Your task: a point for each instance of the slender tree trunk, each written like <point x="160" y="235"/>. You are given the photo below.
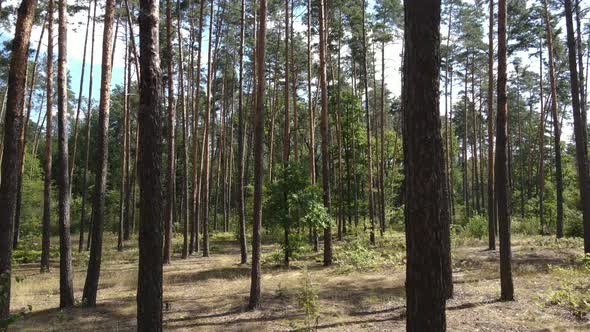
<point x="426" y="214"/>
<point x="581" y="73"/>
<point x="541" y="170"/>
<point x="491" y="194"/>
<point x="241" y="137"/>
<point x="171" y="174"/>
<point x="87" y="148"/>
<point x="66" y="286"/>
<point x="149" y="289"/>
<point x="555" y="117"/>
<point x="310" y="100"/>
<point x="465" y="161"/>
<point x="46" y="228"/>
<point x="14" y="110"/>
<point x="205" y="146"/>
<point x="502" y="183"/>
<point x="196" y="195"/>
<point x="23" y="143"/>
<point x="75" y="130"/>
<point x="184" y="213"/>
<point x="368" y="123"/>
<point x="123" y="153"/>
<point x="324" y="131"/>
<point x="255" y="286"/>
<point x="579" y="132"/>
<point x="102" y="152"/>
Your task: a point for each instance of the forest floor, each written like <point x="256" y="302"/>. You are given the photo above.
<point x="364" y="290"/>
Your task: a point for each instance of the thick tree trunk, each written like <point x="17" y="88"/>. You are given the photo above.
<point x="502" y="183"/>
<point x="102" y="152"/>
<point x="426" y="213"/>
<point x="149" y="289"/>
<point x="255" y="286"/>
<point x="579" y="126"/>
<point x="12" y="125"/>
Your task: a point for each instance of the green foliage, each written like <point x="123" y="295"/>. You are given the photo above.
<point x="477" y="227"/>
<point x="574" y="291"/>
<point x="355" y="255"/>
<point x="308" y="301"/>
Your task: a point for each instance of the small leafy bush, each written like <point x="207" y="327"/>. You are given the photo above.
<point x="477" y="227"/>
<point x="308" y="301"/>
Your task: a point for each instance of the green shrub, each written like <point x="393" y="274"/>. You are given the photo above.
<point x="573" y="226"/>
<point x="308" y="301"/>
<point x="477" y="227"/>
<point x="525" y="226"/>
<point x="355" y="255"/>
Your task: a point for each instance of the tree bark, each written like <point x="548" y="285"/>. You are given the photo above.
<point x="324" y="131"/>
<point x="102" y="152"/>
<point x="502" y="183"/>
<point x="579" y="126"/>
<point x="491" y="194"/>
<point x="66" y="287"/>
<point x="171" y="174"/>
<point x="255" y="286"/>
<point x="87" y="148"/>
<point x="46" y="228"/>
<point x="556" y="128"/>
<point x="426" y="213"/>
<point x="149" y="289"/>
<point x="241" y="136"/>
<point x="12" y="125"/>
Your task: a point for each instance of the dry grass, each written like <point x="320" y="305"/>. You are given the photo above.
<point x="210" y="293"/>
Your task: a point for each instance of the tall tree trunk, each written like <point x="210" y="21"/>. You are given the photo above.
<point x="66" y="287"/>
<point x="102" y="153"/>
<point x="205" y="147"/>
<point x="556" y="128"/>
<point x="254" y="301"/>
<point x="382" y="177"/>
<point x="79" y="102"/>
<point x="23" y="143"/>
<point x="46" y="228"/>
<point x="171" y="170"/>
<point x="491" y="194"/>
<point x="87" y="148"/>
<point x="14" y="110"/>
<point x="184" y="213"/>
<point x="465" y="161"/>
<point x="579" y="125"/>
<point x="541" y="170"/>
<point x="324" y="130"/>
<point x="368" y="123"/>
<point x="241" y="136"/>
<point x="196" y="195"/>
<point x="426" y="214"/>
<point x="149" y="289"/>
<point x="502" y="183"/>
<point x="123" y="151"/>
<point x="581" y="72"/>
<point x="310" y="100"/>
